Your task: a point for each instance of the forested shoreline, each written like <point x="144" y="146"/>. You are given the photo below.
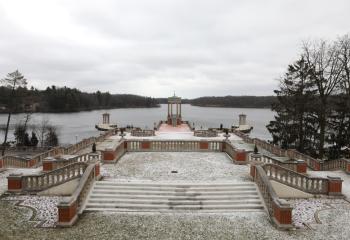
<point x="63" y="99"/>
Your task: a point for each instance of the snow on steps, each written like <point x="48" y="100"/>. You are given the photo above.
<point x="112" y="196"/>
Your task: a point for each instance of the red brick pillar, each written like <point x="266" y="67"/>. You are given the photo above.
<point x="47" y="165"/>
<point x="252" y="171"/>
<point x="203" y="145"/>
<point x="145" y="145"/>
<point x="67" y="213"/>
<point x="317" y="165"/>
<point x="334" y="185"/>
<point x="109" y="155"/>
<point x="14" y="183"/>
<point x="347" y="168"/>
<point x="97" y="171"/>
<point x="282" y="213"/>
<point x="1" y="163"/>
<point x="301" y="166"/>
<point x="223" y="148"/>
<point x="241" y="156"/>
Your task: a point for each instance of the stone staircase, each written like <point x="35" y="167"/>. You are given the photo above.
<point x="112" y="196"/>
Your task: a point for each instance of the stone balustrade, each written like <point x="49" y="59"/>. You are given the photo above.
<point x="329" y="186"/>
<point x="142" y="133"/>
<point x="173" y="145"/>
<point x="36" y="160"/>
<point x="279" y="210"/>
<point x="205" y="133"/>
<point x="299" y="166"/>
<point x="52" y="163"/>
<point x="238" y="156"/>
<point x="71" y="207"/>
<point x="40" y="182"/>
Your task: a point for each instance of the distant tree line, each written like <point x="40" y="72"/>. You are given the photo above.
<point x="235" y="101"/>
<point x="313" y="101"/>
<point x="64" y="99"/>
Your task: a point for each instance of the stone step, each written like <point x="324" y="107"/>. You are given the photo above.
<point x="177" y="189"/>
<point x="175" y="193"/>
<point x="199" y="197"/>
<point x="105" y="202"/>
<point x="152" y="184"/>
<point x="152" y="196"/>
<point x="214" y="211"/>
<point x="175" y="207"/>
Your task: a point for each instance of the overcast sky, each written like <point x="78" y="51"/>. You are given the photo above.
<point x="152" y="48"/>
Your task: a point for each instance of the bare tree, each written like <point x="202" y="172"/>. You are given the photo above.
<point x="323" y="57"/>
<point x="42" y="130"/>
<point x="12" y="81"/>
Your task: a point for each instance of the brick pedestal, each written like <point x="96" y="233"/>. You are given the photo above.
<point x="67" y="214"/>
<point x="97" y="171"/>
<point x="109" y="155"/>
<point x="334" y="185"/>
<point x="14" y="182"/>
<point x="301" y="166"/>
<point x="145" y="145"/>
<point x="252" y="171"/>
<point x="203" y="145"/>
<point x="1" y="163"/>
<point x="47" y="165"/>
<point x="282" y="214"/>
<point x="241" y="156"/>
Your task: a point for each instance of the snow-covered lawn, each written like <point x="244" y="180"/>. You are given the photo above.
<point x="304" y="209"/>
<point x="45" y="214"/>
<point x="190" y="166"/>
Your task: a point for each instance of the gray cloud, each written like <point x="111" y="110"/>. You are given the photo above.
<point x="154" y="47"/>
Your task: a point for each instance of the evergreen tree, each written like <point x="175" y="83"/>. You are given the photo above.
<point x="34" y="140"/>
<point x="51" y="139"/>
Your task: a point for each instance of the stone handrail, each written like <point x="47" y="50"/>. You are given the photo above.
<point x="172" y="145"/>
<point x="313" y="163"/>
<point x="313" y="185"/>
<point x="36" y="183"/>
<point x="37" y="159"/>
<point x="50" y="164"/>
<point x="69" y="208"/>
<point x="279" y="211"/>
<point x="297" y="166"/>
<point x="238" y="156"/>
<point x="142" y="133"/>
<point x="12" y="161"/>
<point x="336" y="164"/>
<point x="205" y="133"/>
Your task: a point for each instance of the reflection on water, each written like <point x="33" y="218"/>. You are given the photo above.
<point x="75" y="126"/>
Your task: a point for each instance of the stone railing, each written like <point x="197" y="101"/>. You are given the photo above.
<point x="113" y="155"/>
<point x="295" y="165"/>
<point x="279" y="210"/>
<point x="238" y="156"/>
<point x="71" y="207"/>
<point x="36" y="160"/>
<point x="205" y="133"/>
<point x="40" y="182"/>
<point x="50" y="164"/>
<point x="313" y="163"/>
<point x="15" y="162"/>
<point x="173" y="146"/>
<point x="336" y="164"/>
<point x="329" y="186"/>
<point x="142" y="133"/>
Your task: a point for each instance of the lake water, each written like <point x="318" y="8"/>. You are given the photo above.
<point x="75" y="126"/>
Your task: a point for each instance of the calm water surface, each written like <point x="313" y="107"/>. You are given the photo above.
<point x="75" y="126"/>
